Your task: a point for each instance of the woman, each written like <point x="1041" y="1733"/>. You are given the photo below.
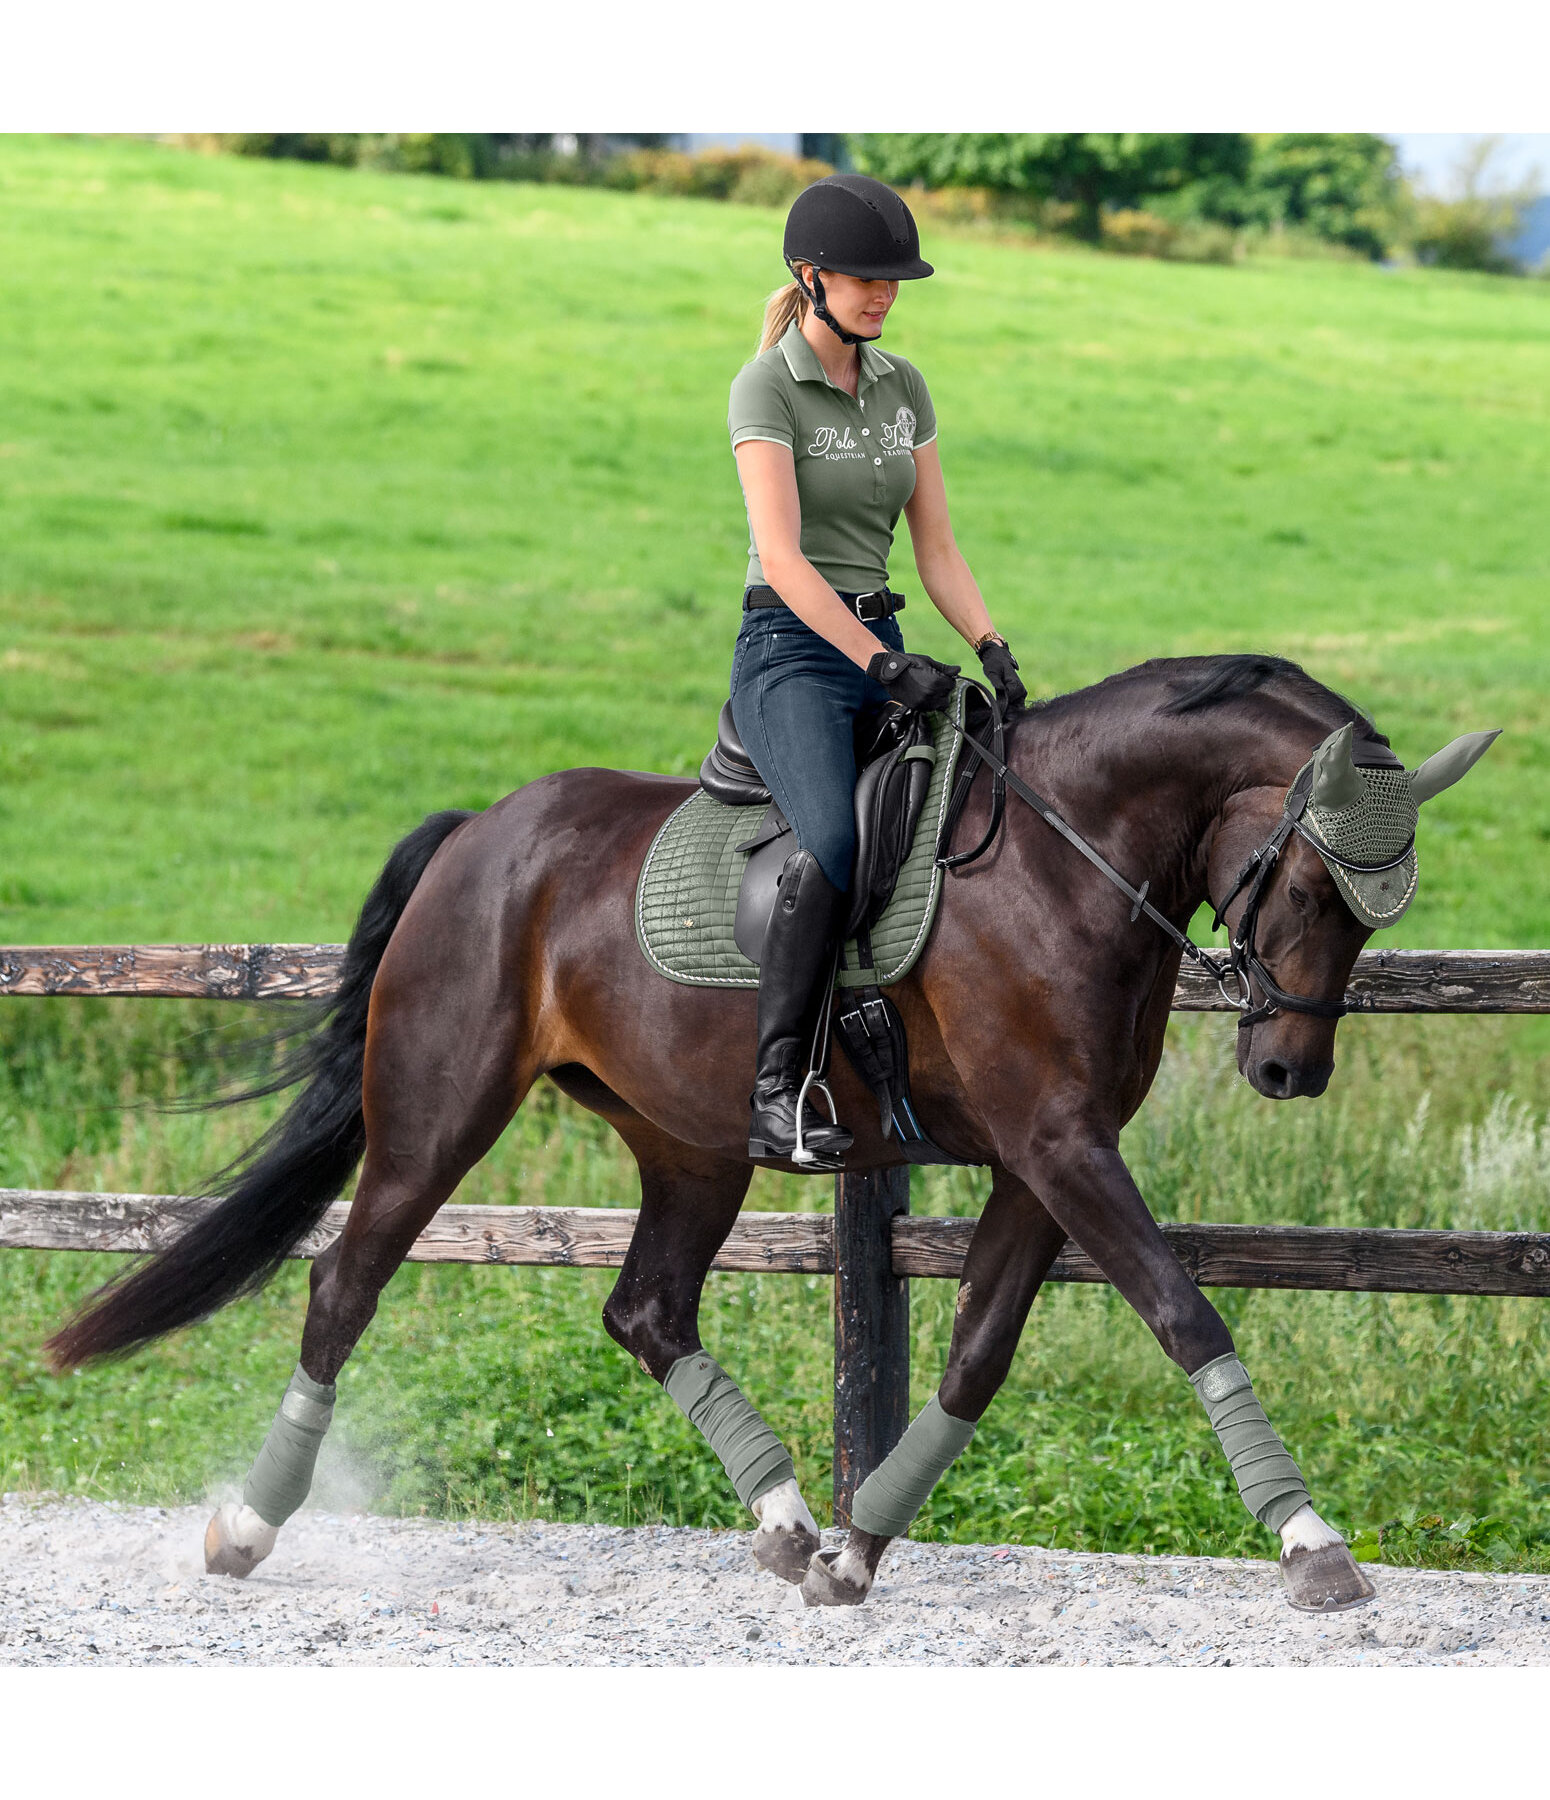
<point x="833" y="440"/>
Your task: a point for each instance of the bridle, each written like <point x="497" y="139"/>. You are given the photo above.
<point x="1256" y="875"/>
<point x="1243" y="963"/>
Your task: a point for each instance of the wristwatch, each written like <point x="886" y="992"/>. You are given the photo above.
<point x="988" y="637"/>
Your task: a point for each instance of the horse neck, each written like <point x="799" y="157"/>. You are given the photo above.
<point x="1150" y="788"/>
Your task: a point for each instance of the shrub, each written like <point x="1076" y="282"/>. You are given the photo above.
<point x="1135" y="232"/>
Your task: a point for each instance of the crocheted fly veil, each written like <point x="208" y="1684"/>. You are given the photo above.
<point x="1357" y="805"/>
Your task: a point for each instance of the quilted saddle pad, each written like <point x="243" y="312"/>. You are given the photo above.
<point x="686" y="898"/>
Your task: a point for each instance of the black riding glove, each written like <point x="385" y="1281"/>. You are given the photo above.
<point x="1000" y="668"/>
<point x="918" y="683"/>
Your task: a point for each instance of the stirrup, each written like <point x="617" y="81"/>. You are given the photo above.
<point x="801" y="1155"/>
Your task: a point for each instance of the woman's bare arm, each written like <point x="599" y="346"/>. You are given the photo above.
<point x="769" y="479"/>
<point x="943" y="572"/>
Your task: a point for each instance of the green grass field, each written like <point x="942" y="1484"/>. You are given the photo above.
<point x="328" y="498"/>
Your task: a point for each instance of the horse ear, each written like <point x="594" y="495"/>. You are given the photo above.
<point x="1335" y="780"/>
<point x="1450" y="764"/>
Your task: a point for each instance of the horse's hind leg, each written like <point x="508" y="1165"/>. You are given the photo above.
<point x="689" y="1201"/>
<point x="433" y="1108"/>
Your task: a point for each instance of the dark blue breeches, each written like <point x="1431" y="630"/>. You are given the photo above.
<point x="795" y="701"/>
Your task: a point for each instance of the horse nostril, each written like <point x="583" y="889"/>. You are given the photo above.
<point x="1275" y="1079"/>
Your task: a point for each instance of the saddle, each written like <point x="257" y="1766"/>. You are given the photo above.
<point x="894" y="758"/>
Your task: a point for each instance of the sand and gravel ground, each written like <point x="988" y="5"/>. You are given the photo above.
<point x="93" y="1583"/>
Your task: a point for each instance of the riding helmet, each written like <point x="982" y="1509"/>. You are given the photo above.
<point x="854" y="226"/>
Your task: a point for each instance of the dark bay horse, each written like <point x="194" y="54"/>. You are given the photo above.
<point x="499" y="947"/>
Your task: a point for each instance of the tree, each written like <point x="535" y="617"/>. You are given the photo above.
<point x="1088" y="169"/>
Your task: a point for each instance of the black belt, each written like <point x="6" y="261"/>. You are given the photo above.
<point x="883" y="603"/>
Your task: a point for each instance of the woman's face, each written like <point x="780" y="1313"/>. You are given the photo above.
<point x="857" y="305"/>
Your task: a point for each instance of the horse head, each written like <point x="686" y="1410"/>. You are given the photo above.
<point x="1313" y="870"/>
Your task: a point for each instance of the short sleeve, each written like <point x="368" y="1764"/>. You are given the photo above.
<point x="925" y="412"/>
<point x="760" y="407"/>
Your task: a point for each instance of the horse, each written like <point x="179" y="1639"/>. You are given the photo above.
<point x="499" y="947"/>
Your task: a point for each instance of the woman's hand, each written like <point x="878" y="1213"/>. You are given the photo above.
<point x="1000" y="668"/>
<point x="919" y="683"/>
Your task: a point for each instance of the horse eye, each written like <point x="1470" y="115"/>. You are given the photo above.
<point x="1297" y="895"/>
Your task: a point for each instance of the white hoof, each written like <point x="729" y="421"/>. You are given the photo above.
<point x="836" y="1578"/>
<point x="237" y="1540"/>
<point x="788" y="1533"/>
<point x="1320" y="1573"/>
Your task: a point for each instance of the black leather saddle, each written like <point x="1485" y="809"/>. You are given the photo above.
<point x="894" y="756"/>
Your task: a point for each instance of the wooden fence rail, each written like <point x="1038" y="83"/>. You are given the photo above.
<point x="1387" y="981"/>
<point x="1324" y="1258"/>
<point x="870" y="1244"/>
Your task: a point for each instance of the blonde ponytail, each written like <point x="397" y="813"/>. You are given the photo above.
<point x="784" y="305"/>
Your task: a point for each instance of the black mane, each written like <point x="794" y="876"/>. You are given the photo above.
<point x="1195" y="683"/>
<point x="1218" y="680"/>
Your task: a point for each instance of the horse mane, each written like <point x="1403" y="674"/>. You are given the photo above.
<point x="1198" y="683"/>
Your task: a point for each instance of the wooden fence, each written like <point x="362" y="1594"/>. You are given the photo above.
<point x="870" y="1244"/>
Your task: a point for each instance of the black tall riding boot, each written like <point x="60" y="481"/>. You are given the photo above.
<point x="809" y="911"/>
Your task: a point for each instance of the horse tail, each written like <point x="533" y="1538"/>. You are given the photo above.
<point x="280" y="1187"/>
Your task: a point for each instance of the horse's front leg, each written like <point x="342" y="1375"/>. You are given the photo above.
<point x="1011" y="1251"/>
<point x="1090" y="1192"/>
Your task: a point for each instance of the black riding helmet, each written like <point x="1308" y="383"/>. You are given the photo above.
<point x="852" y="225"/>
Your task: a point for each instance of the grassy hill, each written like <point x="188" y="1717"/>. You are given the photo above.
<point x="331" y="498"/>
<point x="327" y="499"/>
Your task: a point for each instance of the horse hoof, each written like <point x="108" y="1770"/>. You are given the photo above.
<point x="785" y="1553"/>
<point x="237" y="1541"/>
<point x="822" y="1587"/>
<point x="1325" y="1580"/>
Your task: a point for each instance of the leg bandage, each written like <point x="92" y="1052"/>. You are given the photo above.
<point x="899" y="1486"/>
<point x="1267" y="1478"/>
<point x="282" y="1472"/>
<point x="754" y="1458"/>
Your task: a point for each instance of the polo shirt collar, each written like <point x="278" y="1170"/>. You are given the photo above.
<point x="802" y="360"/>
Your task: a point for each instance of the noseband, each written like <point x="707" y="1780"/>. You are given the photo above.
<point x="1242" y="963"/>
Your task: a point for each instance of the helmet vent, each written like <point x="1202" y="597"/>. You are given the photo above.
<point x="886" y="204"/>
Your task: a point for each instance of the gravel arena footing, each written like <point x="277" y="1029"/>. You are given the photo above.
<point x="87" y="1582"/>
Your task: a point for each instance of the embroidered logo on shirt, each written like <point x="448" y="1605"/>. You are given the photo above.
<point x="900" y="435"/>
<point x="835" y="445"/>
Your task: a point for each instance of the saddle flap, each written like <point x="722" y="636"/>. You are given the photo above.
<point x="767" y="851"/>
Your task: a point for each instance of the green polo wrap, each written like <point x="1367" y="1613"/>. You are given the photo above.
<point x="754" y="1458"/>
<point x="899" y="1486"/>
<point x="1267" y="1478"/>
<point x="282" y="1471"/>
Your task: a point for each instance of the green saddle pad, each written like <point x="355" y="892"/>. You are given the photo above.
<point x="686" y="899"/>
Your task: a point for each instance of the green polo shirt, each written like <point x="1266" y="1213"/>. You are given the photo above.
<point x="854" y="455"/>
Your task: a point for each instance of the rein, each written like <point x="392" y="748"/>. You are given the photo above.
<point x="1243" y="962"/>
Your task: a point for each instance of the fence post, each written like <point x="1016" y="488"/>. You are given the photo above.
<point x="871" y="1329"/>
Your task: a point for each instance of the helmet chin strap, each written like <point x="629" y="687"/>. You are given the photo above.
<point x="820" y="306"/>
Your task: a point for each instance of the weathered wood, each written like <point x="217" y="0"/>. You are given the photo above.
<point x="1451" y="981"/>
<point x="1329" y="1258"/>
<point x="557" y="1236"/>
<point x="871" y="1328"/>
<point x="1332" y="1258"/>
<point x="1441" y="981"/>
<point x="175" y="971"/>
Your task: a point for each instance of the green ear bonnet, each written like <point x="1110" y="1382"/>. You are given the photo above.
<point x="1358" y="806"/>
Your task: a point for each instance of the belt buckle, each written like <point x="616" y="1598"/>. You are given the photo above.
<point x="872" y="606"/>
